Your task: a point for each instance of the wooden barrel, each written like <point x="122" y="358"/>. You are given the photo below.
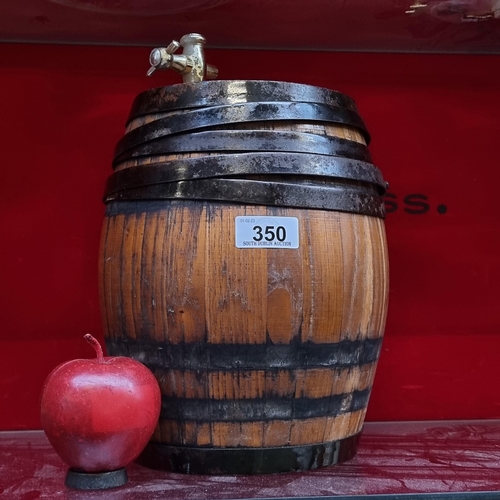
<point x="244" y="261"/>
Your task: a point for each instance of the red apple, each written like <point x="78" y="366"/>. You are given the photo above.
<point x="99" y="414"/>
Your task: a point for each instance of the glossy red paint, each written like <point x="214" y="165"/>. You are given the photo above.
<point x="403" y="460"/>
<point x="98" y="414"/>
<point x="354" y="25"/>
<point x="434" y="121"/>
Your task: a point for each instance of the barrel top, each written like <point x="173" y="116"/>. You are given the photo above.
<point x="227" y="92"/>
<point x="234" y="160"/>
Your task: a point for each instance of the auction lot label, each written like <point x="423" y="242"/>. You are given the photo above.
<point x="267" y="232"/>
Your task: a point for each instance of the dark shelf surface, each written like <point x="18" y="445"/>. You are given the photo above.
<point x="457" y="460"/>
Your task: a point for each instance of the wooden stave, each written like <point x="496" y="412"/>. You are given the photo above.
<point x="182" y="433"/>
<point x="298" y="432"/>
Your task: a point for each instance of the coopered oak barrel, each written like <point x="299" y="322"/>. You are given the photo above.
<point x="244" y="261"/>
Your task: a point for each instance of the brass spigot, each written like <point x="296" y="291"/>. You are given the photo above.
<point x="190" y="64"/>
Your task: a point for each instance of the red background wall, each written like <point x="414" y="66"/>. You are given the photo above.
<point x="434" y="121"/>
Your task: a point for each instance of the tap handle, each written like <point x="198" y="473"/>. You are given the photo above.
<point x="173" y="46"/>
<point x="191" y="64"/>
<point x="161" y="58"/>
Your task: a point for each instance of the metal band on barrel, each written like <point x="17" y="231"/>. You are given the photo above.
<point x="215" y="357"/>
<point x="224" y="92"/>
<point x="340" y="197"/>
<point x="254" y="410"/>
<point x="239" y="113"/>
<point x="248" y="164"/>
<point x="237" y="141"/>
<point x="248" y="460"/>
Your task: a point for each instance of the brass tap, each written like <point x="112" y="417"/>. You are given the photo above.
<point x="190" y="64"/>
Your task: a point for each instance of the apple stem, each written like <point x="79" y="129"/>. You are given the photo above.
<point x="97" y="347"/>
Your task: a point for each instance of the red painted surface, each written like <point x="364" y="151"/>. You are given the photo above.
<point x="434" y="122"/>
<point x="99" y="414"/>
<point x="393" y="459"/>
<point x="356" y="25"/>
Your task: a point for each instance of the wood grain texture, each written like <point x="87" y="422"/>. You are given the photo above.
<point x="255" y="384"/>
<point x="171" y="272"/>
<point x="172" y="275"/>
<point x="274" y="433"/>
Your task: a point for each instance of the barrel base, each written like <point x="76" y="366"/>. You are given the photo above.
<point x="247" y="460"/>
